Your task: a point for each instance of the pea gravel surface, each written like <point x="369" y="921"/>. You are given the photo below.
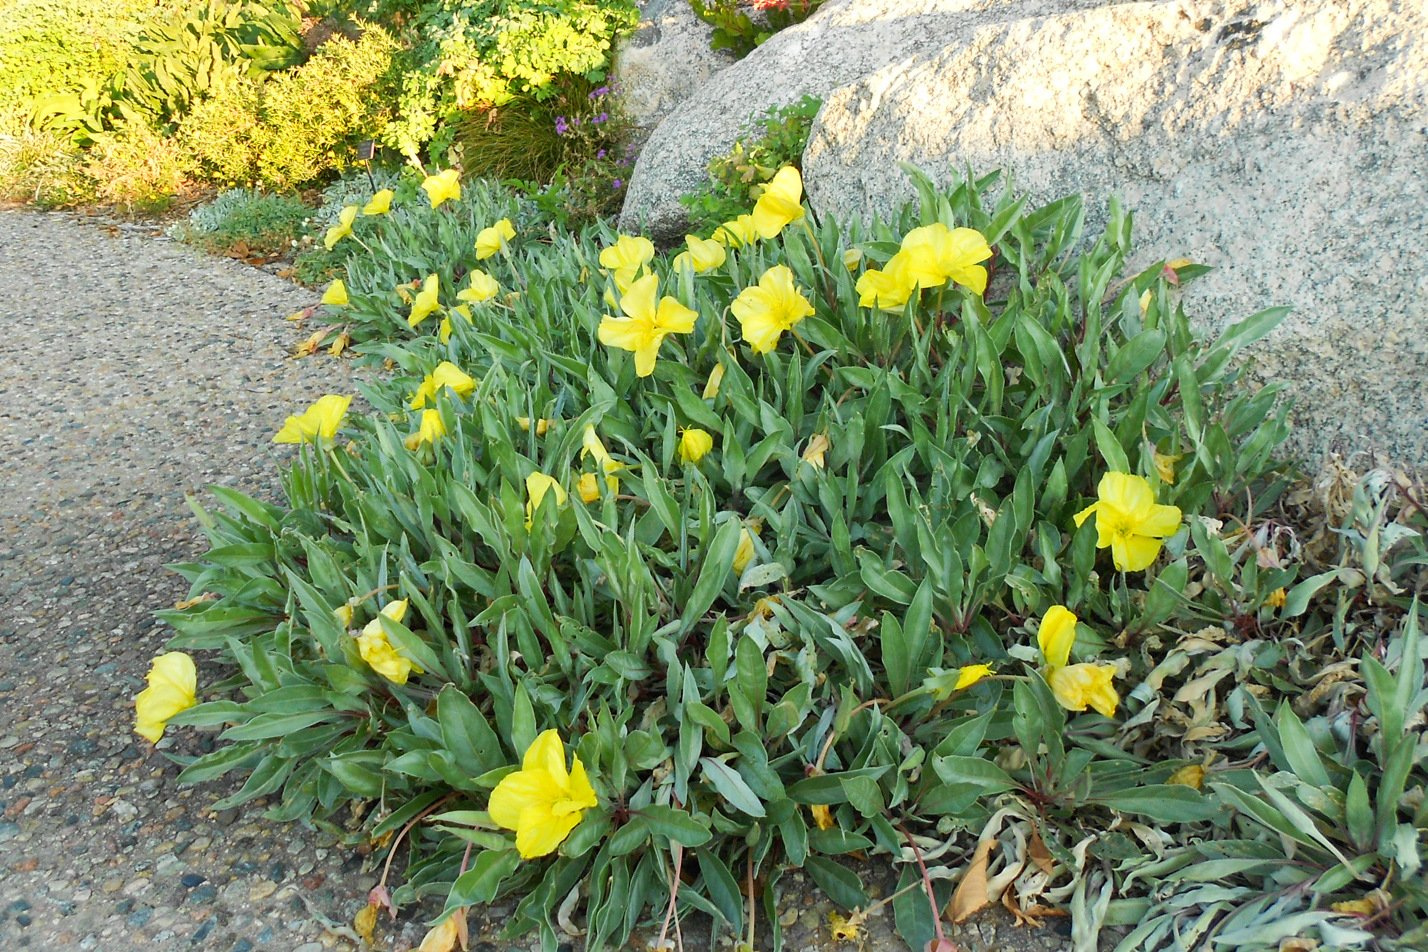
<point x="133" y="374"/>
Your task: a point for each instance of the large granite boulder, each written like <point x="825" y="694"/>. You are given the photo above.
<point x="1282" y="141"/>
<point x="665" y="61"/>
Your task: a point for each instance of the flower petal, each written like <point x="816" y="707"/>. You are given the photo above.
<point x="541" y="832"/>
<point x="518" y="792"/>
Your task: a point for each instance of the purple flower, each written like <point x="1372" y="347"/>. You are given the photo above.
<point x="600" y="154"/>
<point x="615" y="185"/>
<point x="602" y="91"/>
<point x="561" y="126"/>
<point x="600" y="118"/>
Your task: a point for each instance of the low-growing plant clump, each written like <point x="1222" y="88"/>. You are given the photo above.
<point x="944" y="544"/>
<point x="244" y="223"/>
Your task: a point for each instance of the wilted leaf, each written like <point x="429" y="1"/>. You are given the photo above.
<point x="971" y="894"/>
<point x="447" y="934"/>
<point x="365" y="922"/>
<point x="309" y="346"/>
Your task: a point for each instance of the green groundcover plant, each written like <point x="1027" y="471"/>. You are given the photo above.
<point x="943" y="544"/>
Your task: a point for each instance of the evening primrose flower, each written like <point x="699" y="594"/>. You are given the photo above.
<point x="430" y="430"/>
<point x="647" y="324"/>
<point x="694" y="444"/>
<point x="542" y="801"/>
<point x="537" y="486"/>
<point x="336" y="294"/>
<point x="626" y="258"/>
<point x="737" y="232"/>
<point x="380" y="204"/>
<point x="1165" y="465"/>
<point x="342" y="229"/>
<point x="970" y="674"/>
<point x="937" y="254"/>
<point x="446" y="374"/>
<point x="319" y="421"/>
<point x="1129" y="521"/>
<point x="591" y="446"/>
<point x="426" y="302"/>
<point x="491" y="241"/>
<point x="443" y="333"/>
<point x="1079" y="686"/>
<point x="766" y="311"/>
<point x="744" y="553"/>
<point x="711" y="386"/>
<point x="704" y="254"/>
<point x="442" y="187"/>
<point x="482" y="288"/>
<point x="173" y="687"/>
<point x="887" y="289"/>
<point x="780" y="204"/>
<point x="1056" y="635"/>
<point x="379" y="653"/>
<point x="1076" y="686"/>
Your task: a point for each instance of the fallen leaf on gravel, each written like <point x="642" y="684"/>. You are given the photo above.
<point x="971" y="894"/>
<point x="1039" y="854"/>
<point x="339" y="345"/>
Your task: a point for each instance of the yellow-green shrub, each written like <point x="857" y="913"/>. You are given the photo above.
<point x="220" y="138"/>
<point x="312" y="118"/>
<point x="135" y="168"/>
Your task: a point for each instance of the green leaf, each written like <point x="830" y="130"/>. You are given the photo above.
<point x="482" y="882"/>
<point x="713" y="572"/>
<point x="467" y="734"/>
<point x="1164" y="803"/>
<point x="729" y="785"/>
<point x="677" y="825"/>
<point x="838" y="882"/>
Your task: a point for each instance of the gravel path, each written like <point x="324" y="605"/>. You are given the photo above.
<point x="133" y="373"/>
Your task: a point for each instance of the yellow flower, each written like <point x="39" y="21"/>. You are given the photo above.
<point x="336" y="294"/>
<point x="1056" y="635"/>
<point x="537" y="485"/>
<point x="173" y="687"/>
<point x="738" y="232"/>
<point x="888" y="289"/>
<point x="319" y="421"/>
<point x="1191" y="775"/>
<point x="491" y="241"/>
<point x="483" y="287"/>
<point x="704" y="254"/>
<point x="626" y="258"/>
<point x="431" y="430"/>
<point x="379" y="653"/>
<point x="969" y="675"/>
<point x="937" y="254"/>
<point x="342" y="229"/>
<point x="1129" y="521"/>
<point x="542" y="801"/>
<point x="541" y="426"/>
<point x="744" y="553"/>
<point x="647" y="325"/>
<point x="766" y="311"/>
<point x="780" y="204"/>
<point x="1165" y="465"/>
<point x="344" y="614"/>
<point x="711" y="386"/>
<point x="442" y="187"/>
<point x="852" y="257"/>
<point x="380" y="204"/>
<point x="1078" y="686"/>
<point x="591" y="446"/>
<point x="822" y="816"/>
<point x="588" y="487"/>
<point x="694" y="443"/>
<point x="1276" y="598"/>
<point x="843" y="929"/>
<point x="426" y="302"/>
<point x="443" y="332"/>
<point x="816" y="449"/>
<point x="446" y="374"/>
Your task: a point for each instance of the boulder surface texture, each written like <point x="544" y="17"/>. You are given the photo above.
<point x="1284" y="142"/>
